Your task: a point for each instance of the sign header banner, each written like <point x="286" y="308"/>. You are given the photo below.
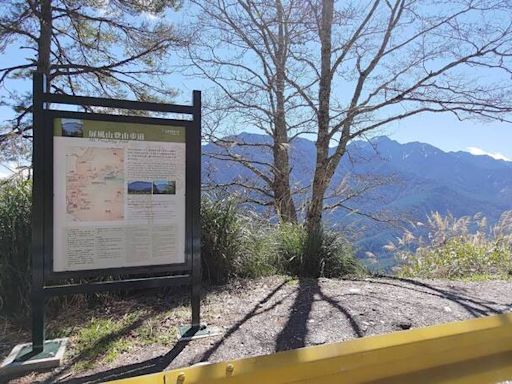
<point x="112" y="130"/>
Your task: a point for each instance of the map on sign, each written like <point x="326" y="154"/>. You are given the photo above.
<point x="118" y="194"/>
<point x="94" y="184"/>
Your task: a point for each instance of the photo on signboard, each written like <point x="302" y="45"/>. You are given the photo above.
<point x="164" y="187"/>
<point x="72" y="128"/>
<point x="138" y="187"/>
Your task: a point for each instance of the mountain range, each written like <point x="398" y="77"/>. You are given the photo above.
<point x="402" y="182"/>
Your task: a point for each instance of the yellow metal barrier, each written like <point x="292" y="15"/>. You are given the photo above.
<point x="471" y="351"/>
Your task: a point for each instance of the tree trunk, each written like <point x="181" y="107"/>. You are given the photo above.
<point x="45" y="38"/>
<point x="321" y="177"/>
<point x="315" y="207"/>
<point x="283" y="201"/>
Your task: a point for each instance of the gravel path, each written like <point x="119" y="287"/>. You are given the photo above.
<point x="275" y="314"/>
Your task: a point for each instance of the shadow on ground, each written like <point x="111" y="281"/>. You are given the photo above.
<point x="475" y="307"/>
<point x="158" y="364"/>
<point x="295" y="332"/>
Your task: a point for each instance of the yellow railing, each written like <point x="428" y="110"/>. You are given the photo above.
<point x="471" y="351"/>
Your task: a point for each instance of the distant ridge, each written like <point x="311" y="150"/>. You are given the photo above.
<point x="425" y="179"/>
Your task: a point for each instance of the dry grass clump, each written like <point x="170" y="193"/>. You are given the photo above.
<point x="449" y="247"/>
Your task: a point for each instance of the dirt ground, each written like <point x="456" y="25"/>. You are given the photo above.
<point x="275" y="314"/>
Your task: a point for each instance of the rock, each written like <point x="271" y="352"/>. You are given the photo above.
<point x="404" y="325"/>
<point x="318" y="340"/>
<point x="354" y="290"/>
<point x="447" y="309"/>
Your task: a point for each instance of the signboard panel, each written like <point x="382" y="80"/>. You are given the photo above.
<point x="113" y="195"/>
<point x="119" y="194"/>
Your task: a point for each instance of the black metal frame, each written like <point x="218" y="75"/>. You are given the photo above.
<point x="187" y="273"/>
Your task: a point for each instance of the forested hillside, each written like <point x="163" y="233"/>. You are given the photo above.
<point x="392" y="184"/>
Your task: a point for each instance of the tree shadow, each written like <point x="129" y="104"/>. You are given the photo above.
<point x="474" y="307"/>
<point x="293" y="335"/>
<point x="295" y="332"/>
<point x="254" y="312"/>
<point x="91" y="353"/>
<point x="155" y="365"/>
<point x="353" y="323"/>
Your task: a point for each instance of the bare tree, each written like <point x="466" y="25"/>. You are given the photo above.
<point x="109" y="48"/>
<point x="356" y="66"/>
<point x="396" y="59"/>
<point x="243" y="47"/>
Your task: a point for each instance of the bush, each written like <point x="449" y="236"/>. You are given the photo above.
<point x="320" y="254"/>
<point x="459" y="248"/>
<point x="234" y="244"/>
<point x="241" y="245"/>
<point x="289" y="240"/>
<point x="15" y="241"/>
<point x="259" y="257"/>
<point x="221" y="235"/>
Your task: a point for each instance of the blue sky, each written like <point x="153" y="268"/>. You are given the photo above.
<point x="441" y="130"/>
<point x="449" y="134"/>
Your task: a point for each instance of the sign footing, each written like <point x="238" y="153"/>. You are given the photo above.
<point x="22" y="359"/>
<point x="191" y="332"/>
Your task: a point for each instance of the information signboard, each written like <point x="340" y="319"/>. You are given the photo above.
<point x="114" y="195"/>
<point x="119" y="194"/>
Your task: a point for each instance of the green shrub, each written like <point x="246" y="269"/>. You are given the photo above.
<point x="15" y="240"/>
<point x="289" y="240"/>
<point x="233" y="245"/>
<point x="221" y="230"/>
<point x="338" y="257"/>
<point x="458" y="248"/>
<point x="259" y="257"/>
<point x="242" y="245"/>
<point x="320" y="254"/>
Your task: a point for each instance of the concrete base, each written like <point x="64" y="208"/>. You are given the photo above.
<point x="188" y="332"/>
<point x="22" y="359"/>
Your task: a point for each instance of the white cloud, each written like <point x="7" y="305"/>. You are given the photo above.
<point x="480" y="152"/>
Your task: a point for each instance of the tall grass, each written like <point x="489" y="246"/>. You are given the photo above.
<point x="233" y="244"/>
<point x="221" y="230"/>
<point x="15" y="240"/>
<point x="241" y="245"/>
<point x="320" y="254"/>
<point x="457" y="248"/>
<point x="15" y="252"/>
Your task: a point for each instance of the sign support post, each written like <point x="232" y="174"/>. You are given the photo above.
<point x="38" y="249"/>
<point x="196" y="225"/>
